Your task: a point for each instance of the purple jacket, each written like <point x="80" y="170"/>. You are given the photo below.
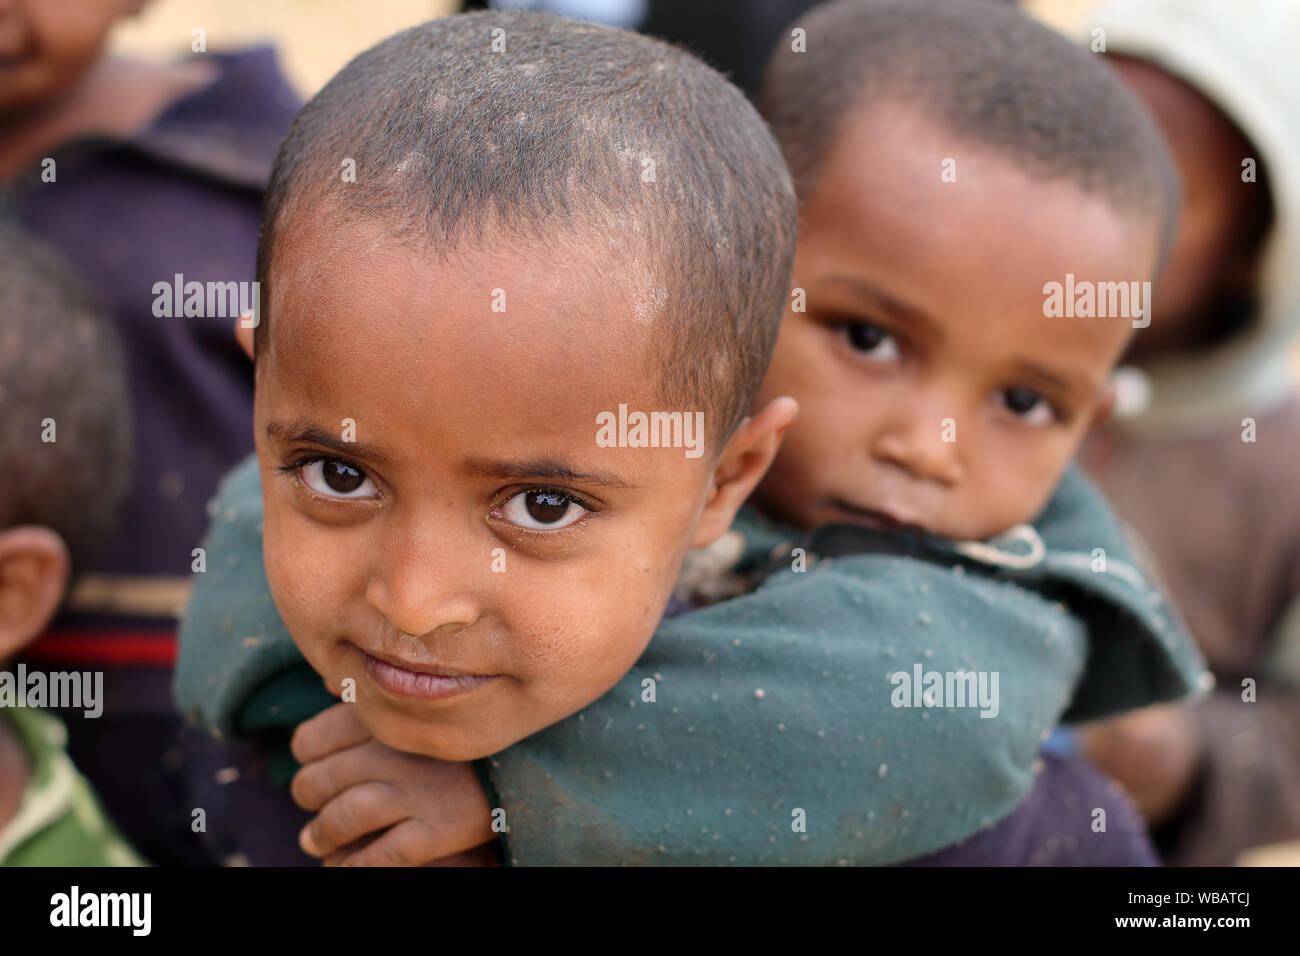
<point x="1054" y="826"/>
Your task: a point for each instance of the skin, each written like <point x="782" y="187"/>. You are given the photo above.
<point x="1209" y="258"/>
<point x="461" y="414"/>
<point x="925" y="302"/>
<point x="56" y="83"/>
<point x="34" y="570"/>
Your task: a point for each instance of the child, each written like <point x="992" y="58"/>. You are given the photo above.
<point x="138" y="173"/>
<point x="752" y="698"/>
<point x="1206" y="471"/>
<point x="66" y="460"/>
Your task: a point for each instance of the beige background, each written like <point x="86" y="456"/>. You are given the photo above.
<point x="316" y="37"/>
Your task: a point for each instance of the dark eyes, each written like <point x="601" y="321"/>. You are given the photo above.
<point x="542" y="509"/>
<point x="872" y="341"/>
<point x="878" y="345"/>
<point x="334" y="478"/>
<point x="538" y="509"/>
<point x="1027" y="405"/>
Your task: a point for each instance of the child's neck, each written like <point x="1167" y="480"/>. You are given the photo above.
<point x="117" y="97"/>
<point x="13" y="772"/>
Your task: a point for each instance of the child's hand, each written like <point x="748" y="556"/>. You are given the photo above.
<point x="1154" y="753"/>
<point x="381" y="807"/>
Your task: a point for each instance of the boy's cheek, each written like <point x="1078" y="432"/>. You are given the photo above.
<point x="297" y="577"/>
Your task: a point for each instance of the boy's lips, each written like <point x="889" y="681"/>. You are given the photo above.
<point x="422" y="681"/>
<point x="881" y="520"/>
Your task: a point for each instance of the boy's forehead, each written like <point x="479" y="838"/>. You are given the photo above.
<point x="896" y="173"/>
<point x="517" y="340"/>
<point x="363" y="279"/>
<point x="964" y="236"/>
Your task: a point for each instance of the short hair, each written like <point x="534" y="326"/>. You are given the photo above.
<point x="554" y="135"/>
<point x="59" y="360"/>
<point x="986" y="72"/>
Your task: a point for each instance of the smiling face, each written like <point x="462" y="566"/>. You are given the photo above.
<point x="46" y="45"/>
<point x="925" y="322"/>
<point x="473" y="559"/>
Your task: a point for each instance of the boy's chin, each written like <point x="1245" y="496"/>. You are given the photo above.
<point x="428" y="739"/>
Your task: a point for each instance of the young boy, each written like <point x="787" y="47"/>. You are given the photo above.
<point x="1206" y="471"/>
<point x="66" y="457"/>
<point x="138" y="173"/>
<point x="755" y="697"/>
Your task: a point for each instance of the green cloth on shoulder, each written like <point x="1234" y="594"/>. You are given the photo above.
<point x="770" y="728"/>
<point x="60" y="821"/>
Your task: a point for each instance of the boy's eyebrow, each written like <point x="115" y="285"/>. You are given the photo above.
<point x="899" y="310"/>
<point x="542" y="469"/>
<point x="1066" y="383"/>
<point x="303" y="430"/>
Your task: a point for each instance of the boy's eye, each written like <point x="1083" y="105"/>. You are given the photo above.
<point x="1027" y="405"/>
<point x="542" y="510"/>
<point x="332" y="478"/>
<point x="873" y="341"/>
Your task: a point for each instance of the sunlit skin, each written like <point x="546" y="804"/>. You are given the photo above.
<point x="475" y="449"/>
<point x="1207" y="254"/>
<point x="925" y="302"/>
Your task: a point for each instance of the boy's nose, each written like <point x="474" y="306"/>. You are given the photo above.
<point x="421" y="588"/>
<point x="926" y="446"/>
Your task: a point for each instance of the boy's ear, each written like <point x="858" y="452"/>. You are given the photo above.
<point x="244" y="336"/>
<point x="742" y="465"/>
<point x="34" y="569"/>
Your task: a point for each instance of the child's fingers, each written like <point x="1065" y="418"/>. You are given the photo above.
<point x="321" y="781"/>
<point x="358" y="811"/>
<point x="315" y="784"/>
<point x="413" y="842"/>
<point x="333" y="729"/>
<point x="342" y="853"/>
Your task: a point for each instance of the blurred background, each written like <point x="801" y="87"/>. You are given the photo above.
<point x="316" y="37"/>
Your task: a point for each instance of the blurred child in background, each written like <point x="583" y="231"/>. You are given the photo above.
<point x="138" y="174"/>
<point x="1206" y="471"/>
<point x="65" y="452"/>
